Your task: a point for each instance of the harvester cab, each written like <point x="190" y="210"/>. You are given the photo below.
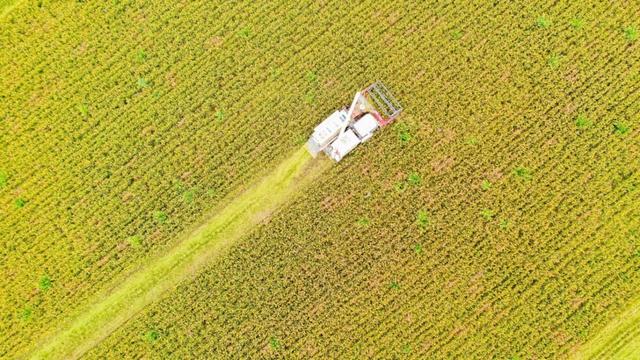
<point x="346" y="128"/>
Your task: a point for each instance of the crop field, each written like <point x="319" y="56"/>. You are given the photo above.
<point x="498" y="217"/>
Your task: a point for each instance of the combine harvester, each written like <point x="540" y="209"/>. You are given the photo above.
<point x="340" y="133"/>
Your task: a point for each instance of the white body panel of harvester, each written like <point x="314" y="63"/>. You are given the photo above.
<point x="342" y="145"/>
<point x="365" y="127"/>
<point x="343" y="130"/>
<point x="326" y="132"/>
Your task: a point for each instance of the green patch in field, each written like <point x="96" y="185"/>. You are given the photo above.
<point x="487" y="214"/>
<point x="620" y="128"/>
<point x="141" y="56"/>
<point x="630" y="33"/>
<point x="456" y="34"/>
<point x="543" y="22"/>
<point x="582" y="122"/>
<point x="134" y="241"/>
<point x="486" y="185"/>
<point x="20" y="203"/>
<point x="26" y="313"/>
<point x="219" y="115"/>
<point x="523" y="173"/>
<point x="394" y="285"/>
<point x="45" y="283"/>
<point x="472" y="140"/>
<point x="417" y="248"/>
<point x="423" y="219"/>
<point x="152" y="336"/>
<point x="406" y="349"/>
<point x="363" y="222"/>
<point x="274" y="343"/>
<point x="143" y="83"/>
<point x="576" y="23"/>
<point x="503" y="224"/>
<point x="84" y="110"/>
<point x="414" y="179"/>
<point x="311" y="76"/>
<point x="554" y="60"/>
<point x="189" y="195"/>
<point x="403" y="133"/>
<point x="245" y="33"/>
<point x="160" y="217"/>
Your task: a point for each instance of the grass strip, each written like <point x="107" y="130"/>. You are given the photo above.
<point x="157" y="276"/>
<point x="606" y="344"/>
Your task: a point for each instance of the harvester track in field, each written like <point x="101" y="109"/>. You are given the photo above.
<point x="207" y="242"/>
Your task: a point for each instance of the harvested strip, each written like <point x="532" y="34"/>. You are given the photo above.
<point x="207" y="242"/>
<point x="620" y="339"/>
